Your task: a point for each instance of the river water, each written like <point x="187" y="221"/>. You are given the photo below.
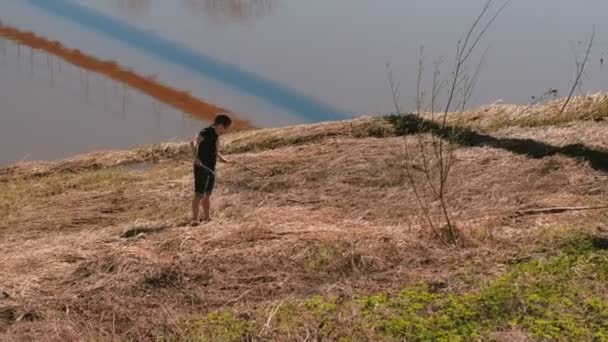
<point x="273" y="62"/>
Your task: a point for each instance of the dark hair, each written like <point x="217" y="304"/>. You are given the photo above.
<point x="223" y="120"/>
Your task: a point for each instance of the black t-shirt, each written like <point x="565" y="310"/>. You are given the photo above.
<point x="207" y="148"/>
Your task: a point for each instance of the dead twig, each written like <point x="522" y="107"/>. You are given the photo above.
<point x="250" y="169"/>
<point x="273" y="312"/>
<point x="303" y="202"/>
<point x="556" y="210"/>
<point x="237" y="299"/>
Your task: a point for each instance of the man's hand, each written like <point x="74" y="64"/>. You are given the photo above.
<point x="223" y="159"/>
<point x="194" y="142"/>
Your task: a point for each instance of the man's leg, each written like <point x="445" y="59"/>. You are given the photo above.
<point x="196" y="203"/>
<point x="206" y="202"/>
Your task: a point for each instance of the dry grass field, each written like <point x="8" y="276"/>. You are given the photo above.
<point x="324" y="241"/>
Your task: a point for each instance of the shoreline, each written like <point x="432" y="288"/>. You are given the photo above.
<point x="485" y="119"/>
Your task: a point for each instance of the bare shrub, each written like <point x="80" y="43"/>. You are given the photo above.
<point x="432" y="156"/>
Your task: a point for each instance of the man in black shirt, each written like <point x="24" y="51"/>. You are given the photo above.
<point x="206" y="153"/>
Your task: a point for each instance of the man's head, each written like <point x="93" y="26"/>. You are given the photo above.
<point x="222" y="123"/>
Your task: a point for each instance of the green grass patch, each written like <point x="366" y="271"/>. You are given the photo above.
<point x="217" y="327"/>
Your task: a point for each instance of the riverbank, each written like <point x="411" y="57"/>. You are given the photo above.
<point x="329" y="243"/>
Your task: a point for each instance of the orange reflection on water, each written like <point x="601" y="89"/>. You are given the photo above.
<point x="148" y="85"/>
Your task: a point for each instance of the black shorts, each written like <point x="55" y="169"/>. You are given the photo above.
<point x="204" y="180"/>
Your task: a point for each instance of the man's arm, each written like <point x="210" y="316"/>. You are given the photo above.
<point x="194" y="144"/>
<point x="220" y="156"/>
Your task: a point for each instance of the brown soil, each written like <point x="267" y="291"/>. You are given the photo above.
<point x="175" y="98"/>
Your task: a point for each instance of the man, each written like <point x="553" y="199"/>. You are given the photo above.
<point x="205" y="148"/>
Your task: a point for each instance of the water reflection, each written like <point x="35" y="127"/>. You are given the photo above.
<point x="133" y="7"/>
<point x="41" y="67"/>
<point x="273" y="93"/>
<point x="56" y="112"/>
<point x="347" y="46"/>
<point x="3" y="49"/>
<point x="90" y="87"/>
<point x="229" y="11"/>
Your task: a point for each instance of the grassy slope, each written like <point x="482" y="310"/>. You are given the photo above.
<point x="328" y="246"/>
<point x="560" y="296"/>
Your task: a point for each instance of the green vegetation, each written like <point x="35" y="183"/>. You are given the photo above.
<point x="323" y="257"/>
<point x="561" y="297"/>
<point x="220" y="327"/>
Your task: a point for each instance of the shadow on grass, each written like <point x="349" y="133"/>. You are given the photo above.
<point x="135" y="232"/>
<point x="412" y="124"/>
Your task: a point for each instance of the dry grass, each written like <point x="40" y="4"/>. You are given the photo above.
<point x="97" y="246"/>
<point x="583" y="108"/>
<point x="260" y="140"/>
<point x="489" y="118"/>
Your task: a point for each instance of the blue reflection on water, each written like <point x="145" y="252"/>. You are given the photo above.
<point x="275" y="93"/>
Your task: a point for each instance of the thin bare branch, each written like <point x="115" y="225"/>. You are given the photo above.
<point x="483" y="12"/>
<point x="394" y="88"/>
<point x="485" y="29"/>
<point x="423" y="204"/>
<point x="557" y="210"/>
<point x="419" y="92"/>
<point x="463" y="56"/>
<point x="460" y="48"/>
<point x="580" y="72"/>
<point x="468" y="89"/>
<point x="437" y="86"/>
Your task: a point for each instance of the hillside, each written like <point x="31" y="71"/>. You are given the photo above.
<point x="324" y="241"/>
